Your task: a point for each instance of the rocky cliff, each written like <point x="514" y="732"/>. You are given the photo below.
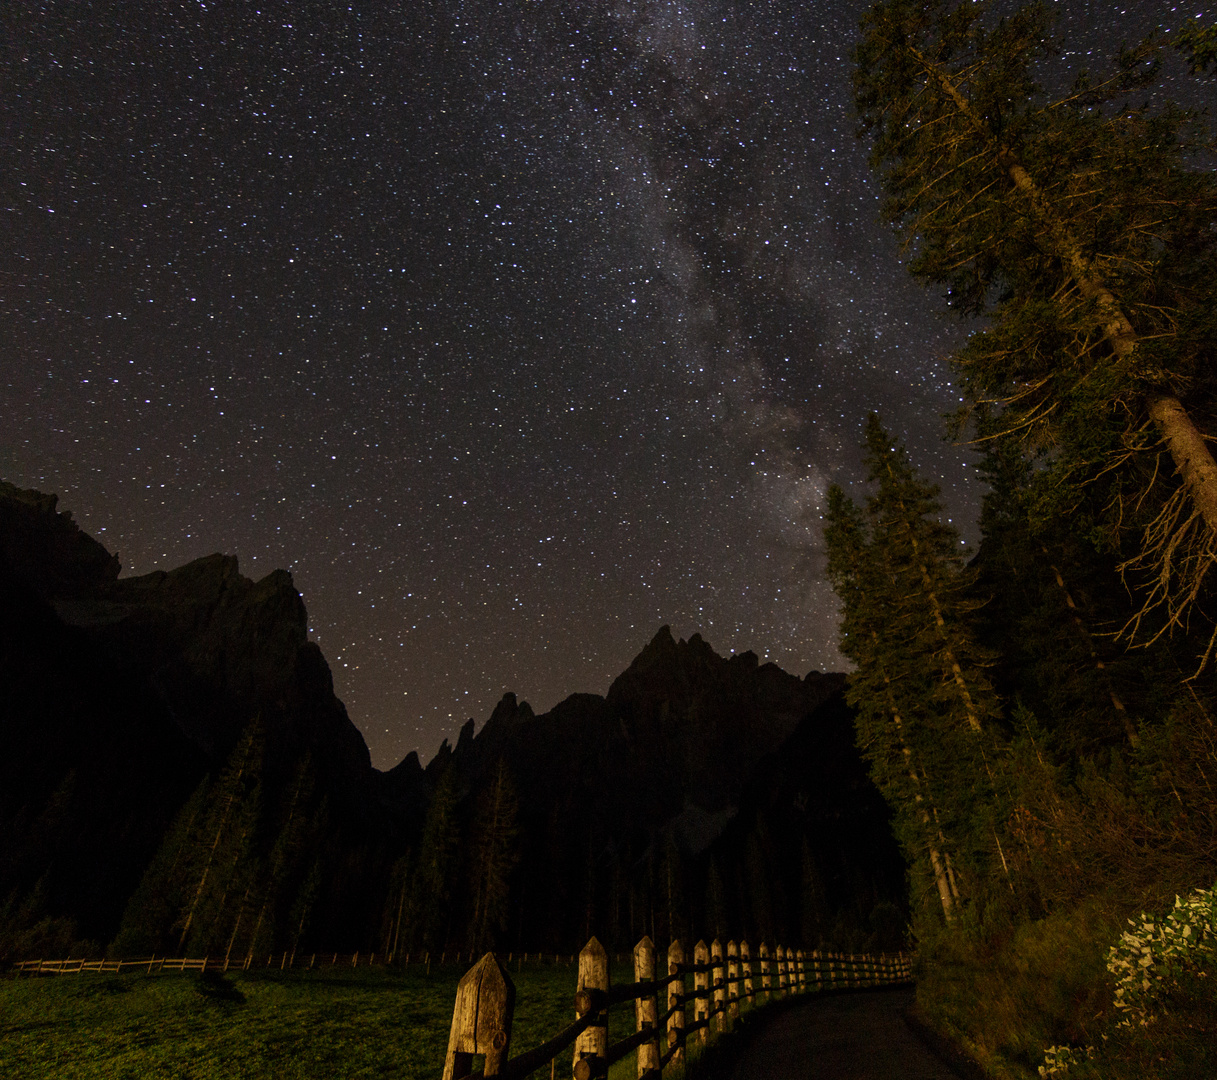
<point x="120" y="694"/>
<point x="700" y="792"/>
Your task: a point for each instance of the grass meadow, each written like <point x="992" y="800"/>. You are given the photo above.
<point x="292" y="1025"/>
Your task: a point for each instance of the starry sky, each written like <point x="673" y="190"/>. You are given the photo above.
<point x="514" y="330"/>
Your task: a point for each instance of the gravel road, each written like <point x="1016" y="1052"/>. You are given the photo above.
<point x="860" y="1036"/>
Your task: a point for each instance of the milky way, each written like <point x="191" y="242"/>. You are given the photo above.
<point x="513" y="330"/>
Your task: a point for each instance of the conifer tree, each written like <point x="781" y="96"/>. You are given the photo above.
<point x="284" y="867"/>
<point x="881" y="704"/>
<point x="1051" y="613"/>
<point x="494" y="853"/>
<point x="433" y="876"/>
<point x="192" y="893"/>
<point x="221" y="852"/>
<point x="395" y="905"/>
<point x="761" y="900"/>
<point x="925" y="706"/>
<point x="813" y="904"/>
<point x="157" y="899"/>
<point x="1079" y="227"/>
<point x="716" y="902"/>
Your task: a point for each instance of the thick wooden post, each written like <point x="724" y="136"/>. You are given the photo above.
<point x="701" y="983"/>
<point x="593" y="1042"/>
<point x="733" y="979"/>
<point x="745" y="954"/>
<point x="815" y="968"/>
<point x="801" y="967"/>
<point x="676" y="1001"/>
<point x="720" y="986"/>
<point x="765" y="970"/>
<point x="481" y="1019"/>
<point x="646" y="1009"/>
<point x="783" y="975"/>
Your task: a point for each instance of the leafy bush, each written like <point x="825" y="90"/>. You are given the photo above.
<point x="1152" y="961"/>
<point x="1163" y="969"/>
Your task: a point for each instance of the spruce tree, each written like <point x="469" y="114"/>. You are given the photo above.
<point x="221" y="855"/>
<point x="865" y="596"/>
<point x="267" y="896"/>
<point x="494" y="853"/>
<point x="432" y="882"/>
<point x="1081" y="229"/>
<point x="157" y="899"/>
<point x="193" y="892"/>
<point x="926" y="709"/>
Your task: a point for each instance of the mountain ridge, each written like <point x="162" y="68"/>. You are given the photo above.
<point x="127" y="694"/>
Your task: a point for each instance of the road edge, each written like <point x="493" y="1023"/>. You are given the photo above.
<point x="949" y="1052"/>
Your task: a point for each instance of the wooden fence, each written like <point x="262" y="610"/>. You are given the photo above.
<point x="284" y="961"/>
<point x="722" y="981"/>
<point x="153" y="964"/>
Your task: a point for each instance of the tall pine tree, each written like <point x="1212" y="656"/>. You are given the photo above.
<point x="434" y="871"/>
<point x="1082" y="229"/>
<point x="493" y="854"/>
<point x="926" y="709"/>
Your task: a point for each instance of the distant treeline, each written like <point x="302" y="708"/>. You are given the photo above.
<point x="244" y="866"/>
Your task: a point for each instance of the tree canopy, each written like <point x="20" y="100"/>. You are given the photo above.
<point x="1081" y="228"/>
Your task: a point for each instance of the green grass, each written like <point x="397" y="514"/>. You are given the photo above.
<point x="328" y="1023"/>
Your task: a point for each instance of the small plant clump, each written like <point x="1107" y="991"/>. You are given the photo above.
<point x="1151" y="961"/>
<point x="1157" y="963"/>
<point x="1059" y="1059"/>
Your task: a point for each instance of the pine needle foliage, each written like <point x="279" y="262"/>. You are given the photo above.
<point x="494" y="852"/>
<point x="238" y="871"/>
<point x="928" y="717"/>
<point x="1080" y="226"/>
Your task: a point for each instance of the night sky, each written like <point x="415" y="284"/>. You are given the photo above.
<point x="513" y="330"/>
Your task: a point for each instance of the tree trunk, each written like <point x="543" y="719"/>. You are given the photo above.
<point x="198" y="892"/>
<point x="1191" y="455"/>
<point x="936" y="862"/>
<point x="1080" y="626"/>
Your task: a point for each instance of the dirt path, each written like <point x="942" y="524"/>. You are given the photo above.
<point x="860" y="1036"/>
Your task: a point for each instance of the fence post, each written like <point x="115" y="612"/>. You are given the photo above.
<point x="720" y="986"/>
<point x="745" y="953"/>
<point x="780" y="955"/>
<point x="701" y="983"/>
<point x="676" y="1001"/>
<point x="801" y="968"/>
<point x="481" y="1019"/>
<point x="733" y="978"/>
<point x="593" y="1042"/>
<point x="646" y="1009"/>
<point x="765" y="970"/>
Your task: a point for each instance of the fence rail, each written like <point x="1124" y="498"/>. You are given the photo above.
<point x="284" y="961"/>
<point x="723" y="980"/>
<point x="154" y="964"/>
